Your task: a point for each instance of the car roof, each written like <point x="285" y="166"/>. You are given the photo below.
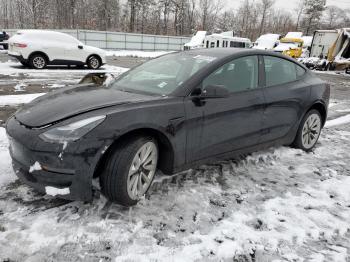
<point x="223" y="53"/>
<point x="215" y="52"/>
<point x="40" y="32"/>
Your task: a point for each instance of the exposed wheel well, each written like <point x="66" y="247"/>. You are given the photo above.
<point x="166" y="152"/>
<point x="39" y="53"/>
<point x="322" y="109"/>
<point x="98" y="57"/>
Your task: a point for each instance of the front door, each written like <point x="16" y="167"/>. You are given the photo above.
<point x="221" y="125"/>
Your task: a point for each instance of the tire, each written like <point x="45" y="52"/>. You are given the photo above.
<point x="123" y="177"/>
<point x="37" y="61"/>
<point x="307" y="137"/>
<point x="94" y="62"/>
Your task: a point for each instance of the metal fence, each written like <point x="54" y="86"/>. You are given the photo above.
<point x="125" y="41"/>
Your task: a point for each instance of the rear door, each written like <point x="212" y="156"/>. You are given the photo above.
<point x="222" y="125"/>
<point x="51" y="45"/>
<point x="286" y="94"/>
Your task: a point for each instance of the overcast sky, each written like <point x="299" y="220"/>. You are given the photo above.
<point x="282" y="3"/>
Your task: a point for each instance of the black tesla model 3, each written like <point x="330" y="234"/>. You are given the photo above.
<point x="171" y="113"/>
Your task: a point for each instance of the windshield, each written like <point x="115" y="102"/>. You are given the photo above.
<point x="163" y="75"/>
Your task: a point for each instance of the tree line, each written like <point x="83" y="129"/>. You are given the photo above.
<point x="172" y="17"/>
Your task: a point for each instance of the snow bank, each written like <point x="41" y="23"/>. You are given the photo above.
<point x="338" y="121"/>
<point x="11" y="100"/>
<point x="6" y="172"/>
<point x="143" y="54"/>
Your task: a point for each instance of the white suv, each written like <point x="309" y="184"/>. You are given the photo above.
<point x="38" y="48"/>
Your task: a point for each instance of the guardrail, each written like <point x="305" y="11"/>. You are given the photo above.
<point x="125" y="41"/>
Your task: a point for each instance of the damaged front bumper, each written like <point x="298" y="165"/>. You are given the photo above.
<point x="56" y="169"/>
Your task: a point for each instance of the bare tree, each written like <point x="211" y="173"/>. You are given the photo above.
<point x="333" y="13"/>
<point x="299" y="10"/>
<point x="208" y="11"/>
<point x="265" y="7"/>
<point x="313" y="13"/>
<point x="172" y="17"/>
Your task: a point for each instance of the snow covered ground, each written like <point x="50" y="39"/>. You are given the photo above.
<point x="334" y="73"/>
<point x="10" y="100"/>
<point x="281" y="204"/>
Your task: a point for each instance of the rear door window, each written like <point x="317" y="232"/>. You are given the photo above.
<point x="279" y="71"/>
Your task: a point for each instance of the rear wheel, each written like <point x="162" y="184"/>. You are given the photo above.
<point x="94" y="62"/>
<point x="37" y="61"/>
<point x="309" y="131"/>
<point x="130" y="170"/>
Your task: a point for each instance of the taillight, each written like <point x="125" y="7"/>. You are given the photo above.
<point x="20" y="45"/>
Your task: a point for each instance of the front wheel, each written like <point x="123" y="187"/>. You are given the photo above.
<point x="309" y="131"/>
<point x="94" y="62"/>
<point x="130" y="170"/>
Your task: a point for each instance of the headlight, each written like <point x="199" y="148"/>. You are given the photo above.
<point x="73" y="131"/>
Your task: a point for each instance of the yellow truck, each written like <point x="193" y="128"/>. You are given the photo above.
<point x="292" y="47"/>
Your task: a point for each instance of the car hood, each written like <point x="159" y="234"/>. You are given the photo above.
<point x="92" y="49"/>
<point x="72" y="101"/>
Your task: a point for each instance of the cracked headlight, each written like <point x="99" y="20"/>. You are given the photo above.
<point x="72" y="131"/>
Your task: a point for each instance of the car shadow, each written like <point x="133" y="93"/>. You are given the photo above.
<point x="56" y="67"/>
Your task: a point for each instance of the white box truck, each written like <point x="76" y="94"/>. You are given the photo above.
<point x="322" y="41"/>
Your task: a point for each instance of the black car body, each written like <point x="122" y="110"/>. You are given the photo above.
<point x="191" y="125"/>
<point x="3" y="39"/>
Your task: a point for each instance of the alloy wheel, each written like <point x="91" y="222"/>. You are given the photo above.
<point x="39" y="62"/>
<point x="94" y="62"/>
<point x="311" y="131"/>
<point x="142" y="170"/>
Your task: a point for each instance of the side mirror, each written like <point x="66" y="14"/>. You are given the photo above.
<point x="214" y="91"/>
<point x="80" y="47"/>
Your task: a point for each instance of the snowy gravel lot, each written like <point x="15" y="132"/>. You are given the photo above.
<point x="277" y="205"/>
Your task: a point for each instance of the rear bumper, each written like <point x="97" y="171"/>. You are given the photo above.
<point x="17" y="56"/>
